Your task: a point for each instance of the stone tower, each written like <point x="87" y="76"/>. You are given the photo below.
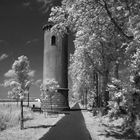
<point x="55" y="65"/>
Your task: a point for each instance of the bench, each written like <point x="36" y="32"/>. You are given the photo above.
<point x="36" y="109"/>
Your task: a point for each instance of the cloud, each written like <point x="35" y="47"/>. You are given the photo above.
<point x="29" y="42"/>
<point x="2" y="41"/>
<point x="31" y="73"/>
<point x="46" y="4"/>
<point x="10" y="73"/>
<point x="45" y="1"/>
<point x="3" y="56"/>
<point x="42" y="5"/>
<point x="26" y="4"/>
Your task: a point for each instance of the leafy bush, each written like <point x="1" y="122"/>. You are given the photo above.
<point x="91" y="98"/>
<point x="48" y="88"/>
<point x="123" y="104"/>
<point x="117" y="103"/>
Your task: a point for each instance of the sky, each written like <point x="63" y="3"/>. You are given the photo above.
<point x="21" y="33"/>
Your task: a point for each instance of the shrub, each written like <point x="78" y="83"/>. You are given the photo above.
<point x="124" y="103"/>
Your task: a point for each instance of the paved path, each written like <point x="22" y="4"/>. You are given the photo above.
<point x="70" y="127"/>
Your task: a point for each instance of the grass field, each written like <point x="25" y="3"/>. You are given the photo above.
<point x="36" y="124"/>
<point x="10" y="114"/>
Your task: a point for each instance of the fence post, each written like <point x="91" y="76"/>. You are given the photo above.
<point x="21" y="119"/>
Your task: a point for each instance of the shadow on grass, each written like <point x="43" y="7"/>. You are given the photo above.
<point x="40" y="126"/>
<point x="28" y="119"/>
<point x="70" y="127"/>
<point x="75" y="109"/>
<point x="117" y="133"/>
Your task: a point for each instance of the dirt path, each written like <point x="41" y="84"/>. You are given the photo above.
<point x="70" y="127"/>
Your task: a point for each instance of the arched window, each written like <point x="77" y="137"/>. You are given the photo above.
<point x="53" y="40"/>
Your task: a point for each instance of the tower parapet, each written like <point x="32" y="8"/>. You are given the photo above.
<point x="47" y="26"/>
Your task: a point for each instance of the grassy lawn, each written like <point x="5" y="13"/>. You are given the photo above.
<point x="35" y="124"/>
<point x="101" y="128"/>
<point x="10" y="115"/>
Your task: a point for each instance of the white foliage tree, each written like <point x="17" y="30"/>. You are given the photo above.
<point x="19" y="79"/>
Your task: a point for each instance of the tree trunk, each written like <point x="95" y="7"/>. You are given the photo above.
<point x="28" y="99"/>
<point x="85" y="100"/>
<point x="97" y="92"/>
<point x="21" y="119"/>
<point x="97" y="104"/>
<point x="104" y="86"/>
<point x="17" y="102"/>
<point x="116" y="70"/>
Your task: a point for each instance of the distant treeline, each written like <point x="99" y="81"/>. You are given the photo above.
<point x="13" y="100"/>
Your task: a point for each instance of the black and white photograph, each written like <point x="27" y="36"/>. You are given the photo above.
<point x="69" y="69"/>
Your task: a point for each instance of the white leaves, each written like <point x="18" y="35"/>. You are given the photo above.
<point x="21" y="65"/>
<point x="15" y="84"/>
<point x="48" y="88"/>
<point x="50" y="84"/>
<point x="119" y="8"/>
<point x="10" y="93"/>
<point x="7" y="82"/>
<point x="131" y="78"/>
<point x="135" y="61"/>
<point x="27" y="85"/>
<point x="19" y="78"/>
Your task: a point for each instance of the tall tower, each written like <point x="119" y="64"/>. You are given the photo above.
<point x="55" y="65"/>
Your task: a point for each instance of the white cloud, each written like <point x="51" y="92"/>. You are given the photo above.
<point x="45" y="1"/>
<point x="30" y="42"/>
<point x="3" y="56"/>
<point x="26" y="4"/>
<point x="10" y="73"/>
<point x="31" y="73"/>
<point x="43" y="5"/>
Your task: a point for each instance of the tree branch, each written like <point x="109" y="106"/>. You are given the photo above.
<point x="96" y="69"/>
<point x="115" y="23"/>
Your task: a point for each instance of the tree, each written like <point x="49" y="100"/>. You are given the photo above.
<point x="105" y="29"/>
<point x="108" y="32"/>
<point x="19" y="79"/>
<point x="92" y="40"/>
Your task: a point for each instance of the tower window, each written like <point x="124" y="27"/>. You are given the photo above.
<point x="53" y="41"/>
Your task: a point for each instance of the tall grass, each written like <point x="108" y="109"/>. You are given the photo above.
<point x="10" y="115"/>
